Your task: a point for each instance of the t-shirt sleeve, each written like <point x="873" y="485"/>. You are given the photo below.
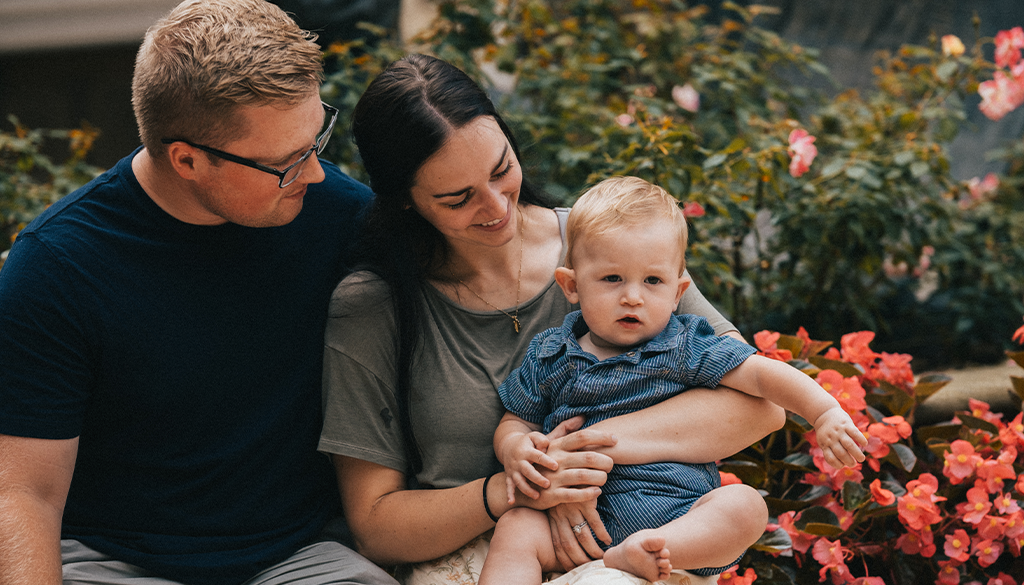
<point x="694" y="303"/>
<point x="705" y="357"/>
<point x="360" y="405"/>
<point x="521" y="393"/>
<point x="45" y="375"/>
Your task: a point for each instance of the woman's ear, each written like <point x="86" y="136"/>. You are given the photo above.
<point x="566" y="278"/>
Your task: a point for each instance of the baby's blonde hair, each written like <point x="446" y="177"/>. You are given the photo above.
<point x="206" y="58"/>
<point x="623" y="202"/>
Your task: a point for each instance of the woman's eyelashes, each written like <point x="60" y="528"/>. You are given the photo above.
<point x="469" y="194"/>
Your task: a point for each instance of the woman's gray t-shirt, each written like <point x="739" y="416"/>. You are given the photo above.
<point x="461" y="358"/>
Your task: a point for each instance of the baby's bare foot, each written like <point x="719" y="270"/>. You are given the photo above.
<point x="642" y="554"/>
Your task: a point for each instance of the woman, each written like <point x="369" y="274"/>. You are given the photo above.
<point x="462" y="255"/>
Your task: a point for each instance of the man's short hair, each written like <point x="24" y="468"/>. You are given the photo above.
<point x="206" y="58"/>
<point x="623" y="202"/>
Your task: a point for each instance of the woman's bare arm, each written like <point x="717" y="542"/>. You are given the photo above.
<point x="392" y="524"/>
<point x="697" y="426"/>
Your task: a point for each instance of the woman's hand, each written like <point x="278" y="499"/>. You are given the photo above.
<point x="579" y="473"/>
<point x="571" y="536"/>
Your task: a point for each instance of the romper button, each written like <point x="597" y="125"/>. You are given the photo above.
<point x="631" y="354"/>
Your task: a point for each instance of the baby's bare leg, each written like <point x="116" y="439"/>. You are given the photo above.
<point x="715" y="532"/>
<point x="521" y="549"/>
<point x="643" y="554"/>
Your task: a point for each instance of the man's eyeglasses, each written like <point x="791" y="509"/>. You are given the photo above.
<point x="285" y="176"/>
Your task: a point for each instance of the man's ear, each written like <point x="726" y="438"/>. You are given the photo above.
<point x="684" y="283"/>
<point x="183" y="159"/>
<point x="566" y="278"/>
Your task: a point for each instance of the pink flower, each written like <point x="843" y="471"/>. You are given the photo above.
<point x="996" y="471"/>
<point x="855" y="348"/>
<point x="915" y="542"/>
<point x="693" y="209"/>
<point x="880" y="495"/>
<point x="1013" y="433"/>
<point x="1018" y="335"/>
<point x="766" y="342"/>
<point x="732" y="577"/>
<point x="1008" y="46"/>
<point x="958" y="546"/>
<point x="802" y="151"/>
<point x="992" y="527"/>
<point x="832" y="558"/>
<point x="686" y="97"/>
<point x="952" y="46"/>
<point x="1013" y="525"/>
<point x="1006" y="504"/>
<point x="729" y="478"/>
<point x="949" y="574"/>
<point x="623" y="120"/>
<point x="917" y="507"/>
<point x="981" y="187"/>
<point x="801" y="540"/>
<point x="895" y="367"/>
<point x="976" y="507"/>
<point x="1000" y="95"/>
<point x="987" y="551"/>
<point x="1001" y="579"/>
<point x="961" y="461"/>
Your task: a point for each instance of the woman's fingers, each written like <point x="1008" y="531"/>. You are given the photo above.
<point x="568" y="551"/>
<point x="585" y="440"/>
<point x="566" y="427"/>
<point x="594" y="521"/>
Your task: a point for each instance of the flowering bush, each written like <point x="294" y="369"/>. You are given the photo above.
<point x="805" y="209"/>
<point x="937" y="504"/>
<point x="30" y="181"/>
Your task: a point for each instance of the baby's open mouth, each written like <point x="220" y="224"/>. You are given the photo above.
<point x="630" y="319"/>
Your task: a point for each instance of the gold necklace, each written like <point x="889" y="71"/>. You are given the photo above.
<point x="519" y="282"/>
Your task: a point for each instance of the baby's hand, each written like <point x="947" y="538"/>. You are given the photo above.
<point x="520" y="453"/>
<point x="840" y="440"/>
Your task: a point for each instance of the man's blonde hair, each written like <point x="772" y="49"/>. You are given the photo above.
<point x="206" y="58"/>
<point x="623" y="202"/>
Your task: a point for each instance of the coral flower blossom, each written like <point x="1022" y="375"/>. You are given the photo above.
<point x="1018" y="335"/>
<point x="961" y="461"/>
<point x="987" y="551"/>
<point x="880" y="495"/>
<point x="766" y="341"/>
<point x="1001" y="95"/>
<point x="686" y="97"/>
<point x="977" y="505"/>
<point x="732" y="577"/>
<point x="693" y="209"/>
<point x="949" y="574"/>
<point x="1008" y="46"/>
<point x="1001" y="579"/>
<point x="952" y="46"/>
<point x="958" y="546"/>
<point x="802" y="151"/>
<point x="832" y="558"/>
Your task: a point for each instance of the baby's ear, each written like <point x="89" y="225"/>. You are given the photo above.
<point x="566" y="278"/>
<point x="684" y="283"/>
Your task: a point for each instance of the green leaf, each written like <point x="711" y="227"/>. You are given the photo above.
<point x="798" y="462"/>
<point x="855" y="495"/>
<point x="945" y="70"/>
<point x="977" y="423"/>
<point x="902" y="456"/>
<point x="750" y="473"/>
<point x="715" y="160"/>
<point x="847" y="370"/>
<point x="904" y="158"/>
<point x="819" y="521"/>
<point x="833" y="168"/>
<point x="929" y="384"/>
<point x="919" y="169"/>
<point x="856" y="172"/>
<point x="941" y="432"/>
<point x="773" y="542"/>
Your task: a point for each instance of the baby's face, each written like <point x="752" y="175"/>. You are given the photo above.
<point x="628" y="284"/>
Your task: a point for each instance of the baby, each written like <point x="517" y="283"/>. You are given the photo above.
<point x="623" y="351"/>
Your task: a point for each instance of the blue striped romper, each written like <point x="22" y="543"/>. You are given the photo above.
<point x="559" y="380"/>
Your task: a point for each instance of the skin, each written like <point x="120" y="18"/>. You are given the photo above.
<point x="35" y="474"/>
<point x="201" y="189"/>
<point x="470" y="191"/>
<point x="627" y="285"/>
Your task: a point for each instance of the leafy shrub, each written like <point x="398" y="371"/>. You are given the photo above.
<point x="823" y="230"/>
<point x="937" y="504"/>
<point x="30" y="181"/>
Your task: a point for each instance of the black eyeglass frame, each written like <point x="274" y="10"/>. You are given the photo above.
<point x="318" y="147"/>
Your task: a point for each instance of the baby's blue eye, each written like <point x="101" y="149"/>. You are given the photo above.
<point x="652" y="280"/>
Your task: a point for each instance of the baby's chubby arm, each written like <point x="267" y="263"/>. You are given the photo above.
<point x="519" y="445"/>
<point x="840" y="440"/>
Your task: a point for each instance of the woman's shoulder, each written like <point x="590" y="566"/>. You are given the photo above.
<point x="358" y="293"/>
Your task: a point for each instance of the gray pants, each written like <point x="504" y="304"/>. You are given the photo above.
<point x="323" y="563"/>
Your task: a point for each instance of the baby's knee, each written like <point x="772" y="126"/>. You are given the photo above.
<point x="523" y="518"/>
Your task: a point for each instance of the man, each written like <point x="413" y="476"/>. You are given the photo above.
<point x="161" y="329"/>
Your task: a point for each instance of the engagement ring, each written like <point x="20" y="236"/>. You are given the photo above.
<point x="579" y="527"/>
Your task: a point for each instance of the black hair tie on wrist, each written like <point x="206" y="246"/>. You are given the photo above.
<point x="487" y="507"/>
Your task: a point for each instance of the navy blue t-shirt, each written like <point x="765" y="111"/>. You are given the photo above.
<point x="187" y="359"/>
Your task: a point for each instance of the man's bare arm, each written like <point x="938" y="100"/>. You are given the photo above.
<point x="35" y="475"/>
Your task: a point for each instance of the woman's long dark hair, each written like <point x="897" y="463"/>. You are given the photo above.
<point x="403" y="118"/>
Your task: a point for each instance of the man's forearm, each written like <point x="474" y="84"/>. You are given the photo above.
<point x="29" y="540"/>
